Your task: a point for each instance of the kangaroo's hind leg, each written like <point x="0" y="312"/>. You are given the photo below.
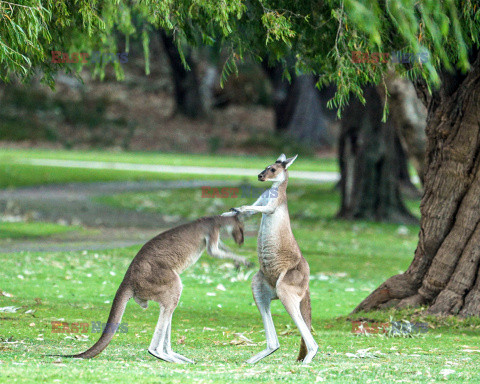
<point x="290" y="290"/>
<point x="168" y="295"/>
<point x="263" y="294"/>
<point x="168" y="347"/>
<point x="160" y="335"/>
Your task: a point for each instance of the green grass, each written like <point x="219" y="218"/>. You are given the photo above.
<point x="78" y="287"/>
<point x="347" y="261"/>
<point x="14" y="174"/>
<point x="23" y="230"/>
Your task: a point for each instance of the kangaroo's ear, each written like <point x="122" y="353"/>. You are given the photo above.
<point x="281" y="158"/>
<point x="289" y="161"/>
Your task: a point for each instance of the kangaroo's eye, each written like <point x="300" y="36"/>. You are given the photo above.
<point x="272" y="170"/>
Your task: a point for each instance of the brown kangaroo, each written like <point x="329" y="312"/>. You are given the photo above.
<point x="284" y="273"/>
<point x="154" y="275"/>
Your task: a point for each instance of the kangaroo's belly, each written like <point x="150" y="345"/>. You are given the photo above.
<point x="276" y="245"/>
<point x="189" y="260"/>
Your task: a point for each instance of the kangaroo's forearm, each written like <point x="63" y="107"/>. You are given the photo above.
<point x="252" y="209"/>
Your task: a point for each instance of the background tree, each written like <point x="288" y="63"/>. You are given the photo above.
<point x="186" y="81"/>
<point x="372" y="164"/>
<point x="299" y="106"/>
<point x="409" y="116"/>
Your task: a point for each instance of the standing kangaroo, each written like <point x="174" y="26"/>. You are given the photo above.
<point x="154" y="275"/>
<point x="284" y="273"/>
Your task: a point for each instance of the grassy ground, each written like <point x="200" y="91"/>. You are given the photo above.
<point x="217" y="313"/>
<point x="14" y="173"/>
<point x="201" y="160"/>
<point x="25" y="230"/>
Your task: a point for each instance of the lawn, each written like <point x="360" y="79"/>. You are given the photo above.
<point x="15" y="169"/>
<point x="26" y="230"/>
<point x="201" y="160"/>
<point x="216" y="323"/>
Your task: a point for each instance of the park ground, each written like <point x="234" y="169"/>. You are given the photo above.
<point x="47" y="275"/>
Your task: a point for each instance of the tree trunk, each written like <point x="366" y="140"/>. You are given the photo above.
<point x="298" y="108"/>
<point x="445" y="270"/>
<point x="410" y="118"/>
<point x="186" y="83"/>
<point x="370" y="164"/>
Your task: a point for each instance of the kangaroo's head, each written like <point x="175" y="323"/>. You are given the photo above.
<point x="278" y="170"/>
<point x="237" y="230"/>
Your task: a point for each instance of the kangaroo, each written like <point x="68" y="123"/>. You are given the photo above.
<point x="284" y="273"/>
<point x="154" y="275"/>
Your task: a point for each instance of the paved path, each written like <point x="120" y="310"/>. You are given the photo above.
<point x="322" y="177"/>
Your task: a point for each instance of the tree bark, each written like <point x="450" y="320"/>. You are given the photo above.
<point x="444" y="273"/>
<point x="187" y="86"/>
<point x="370" y="163"/>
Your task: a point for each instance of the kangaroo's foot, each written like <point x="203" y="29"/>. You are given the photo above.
<point x="164" y="356"/>
<point x="310" y="355"/>
<point x="180" y="357"/>
<point x="261" y="355"/>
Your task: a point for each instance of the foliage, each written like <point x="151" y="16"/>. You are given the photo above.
<point x="320" y="35"/>
<point x="323" y="35"/>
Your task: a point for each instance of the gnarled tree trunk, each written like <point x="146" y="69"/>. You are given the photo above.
<point x="371" y="159"/>
<point x="445" y="271"/>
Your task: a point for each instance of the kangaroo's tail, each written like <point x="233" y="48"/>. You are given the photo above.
<point x="306" y="311"/>
<point x="124" y="293"/>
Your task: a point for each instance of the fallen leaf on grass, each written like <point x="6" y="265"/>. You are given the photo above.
<point x="288" y="331"/>
<point x="242" y="340"/>
<point x="181" y="340"/>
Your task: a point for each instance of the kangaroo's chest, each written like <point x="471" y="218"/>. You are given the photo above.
<point x="271" y="228"/>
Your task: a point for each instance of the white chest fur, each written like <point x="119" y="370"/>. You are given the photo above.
<point x="271" y="229"/>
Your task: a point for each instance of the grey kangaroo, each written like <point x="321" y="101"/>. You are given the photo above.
<point x="284" y="273"/>
<point x="154" y="275"/>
